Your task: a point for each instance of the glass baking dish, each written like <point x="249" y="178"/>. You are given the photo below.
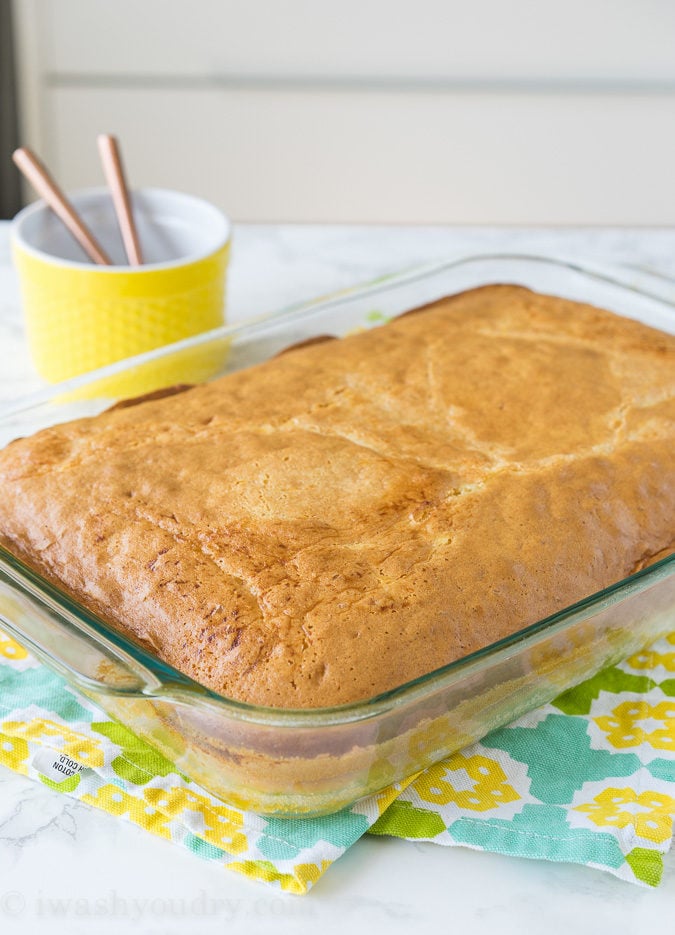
<point x="315" y="761"/>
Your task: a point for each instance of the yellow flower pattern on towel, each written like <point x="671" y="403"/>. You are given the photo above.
<point x="110" y="798"/>
<point x="303" y="876"/>
<point x="489" y="787"/>
<point x="624" y="727"/>
<point x="650" y="813"/>
<point x="82" y="749"/>
<point x="11" y="649"/>
<point x="14" y="752"/>
<point x="649" y="659"/>
<point x="223" y="826"/>
<point x="432" y="737"/>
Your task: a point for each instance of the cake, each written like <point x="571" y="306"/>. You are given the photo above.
<point x="340" y="519"/>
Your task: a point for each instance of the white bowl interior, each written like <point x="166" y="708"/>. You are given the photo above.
<point x="172" y="227"/>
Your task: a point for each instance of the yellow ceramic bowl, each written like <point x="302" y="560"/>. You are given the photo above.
<point x="80" y="316"/>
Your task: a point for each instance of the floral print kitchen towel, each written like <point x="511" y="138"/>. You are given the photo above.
<point x="589" y="778"/>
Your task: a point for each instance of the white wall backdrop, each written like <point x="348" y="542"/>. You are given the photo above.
<point x="481" y="111"/>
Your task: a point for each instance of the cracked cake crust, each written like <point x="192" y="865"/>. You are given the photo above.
<point x="338" y="520"/>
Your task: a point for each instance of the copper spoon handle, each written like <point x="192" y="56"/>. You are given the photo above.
<point x="39" y="177"/>
<point x="111" y="159"/>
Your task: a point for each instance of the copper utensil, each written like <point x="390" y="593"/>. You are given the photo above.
<point x="113" y="169"/>
<point x="43" y="183"/>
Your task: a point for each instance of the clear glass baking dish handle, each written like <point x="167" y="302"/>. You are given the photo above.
<point x="78" y="652"/>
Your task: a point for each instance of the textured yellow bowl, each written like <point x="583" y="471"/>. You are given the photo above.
<point x="80" y="316"/>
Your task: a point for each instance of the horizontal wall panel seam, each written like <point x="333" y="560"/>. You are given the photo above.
<point x="365" y="84"/>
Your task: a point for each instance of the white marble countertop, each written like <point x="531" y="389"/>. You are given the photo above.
<point x="67" y="868"/>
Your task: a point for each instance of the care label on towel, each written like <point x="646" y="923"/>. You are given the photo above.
<point x="55" y="766"/>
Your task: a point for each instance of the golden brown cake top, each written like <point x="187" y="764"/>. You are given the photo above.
<point x="341" y="519"/>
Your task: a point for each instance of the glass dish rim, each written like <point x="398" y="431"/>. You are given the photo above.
<point x="176" y="686"/>
<point x="181" y="687"/>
